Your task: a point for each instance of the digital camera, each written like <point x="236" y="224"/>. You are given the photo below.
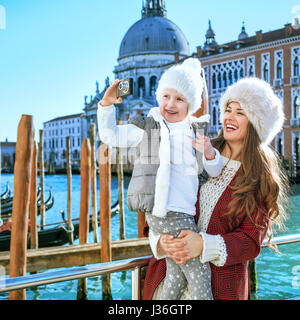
<point x="124" y="88"/>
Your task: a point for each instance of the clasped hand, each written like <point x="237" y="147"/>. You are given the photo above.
<point x="187" y="245"/>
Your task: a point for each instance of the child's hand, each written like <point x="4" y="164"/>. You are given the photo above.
<point x="110" y="95"/>
<point x="203" y="145"/>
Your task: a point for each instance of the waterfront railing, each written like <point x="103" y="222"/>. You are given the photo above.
<point x="134" y="264"/>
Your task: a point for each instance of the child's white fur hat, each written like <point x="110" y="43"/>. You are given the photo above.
<point x="186" y="79"/>
<point x="261" y="105"/>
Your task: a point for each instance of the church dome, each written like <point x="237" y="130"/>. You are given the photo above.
<point x="153" y="34"/>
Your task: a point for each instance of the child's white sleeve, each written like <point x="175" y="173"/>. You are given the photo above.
<point x="213" y="167"/>
<point x="110" y="133"/>
<point x="153" y="241"/>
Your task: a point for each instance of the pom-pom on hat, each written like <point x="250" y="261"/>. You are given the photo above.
<point x="186" y="79"/>
<point x="261" y="105"/>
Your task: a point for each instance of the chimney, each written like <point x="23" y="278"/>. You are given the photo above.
<point x="259" y="36"/>
<point x="296" y="24"/>
<point x="288" y="30"/>
<point x="199" y="52"/>
<point x="176" y="57"/>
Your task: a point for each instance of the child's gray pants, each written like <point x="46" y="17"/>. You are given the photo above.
<point x="179" y="275"/>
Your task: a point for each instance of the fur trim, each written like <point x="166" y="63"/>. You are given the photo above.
<point x="186" y="79"/>
<point x="162" y="181"/>
<point x="261" y="105"/>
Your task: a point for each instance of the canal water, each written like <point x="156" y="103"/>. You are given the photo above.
<point x="278" y="273"/>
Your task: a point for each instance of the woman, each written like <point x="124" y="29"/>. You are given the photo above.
<point x="239" y="207"/>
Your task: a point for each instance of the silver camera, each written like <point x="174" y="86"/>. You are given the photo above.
<point x="124" y="88"/>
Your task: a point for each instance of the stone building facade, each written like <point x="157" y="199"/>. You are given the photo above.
<point x="55" y="132"/>
<point x="273" y="56"/>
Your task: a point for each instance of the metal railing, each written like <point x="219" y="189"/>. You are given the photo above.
<point x="134" y="264"/>
<point x="34" y="280"/>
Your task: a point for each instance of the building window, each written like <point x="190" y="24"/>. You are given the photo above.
<point x="279" y="70"/>
<point x="265" y="62"/>
<point x="278" y="63"/>
<point x="152" y="86"/>
<point x="266" y="72"/>
<point x="226" y="73"/>
<point x="206" y="70"/>
<point x="214" y="83"/>
<point x="141" y="87"/>
<point x="296" y="67"/>
<point x="236" y="77"/>
<point x="295" y="54"/>
<point x="251" y="66"/>
<point x="224" y="79"/>
<point x="297" y="107"/>
<point x="214" y="117"/>
<point x="219" y="80"/>
<point x="214" y="112"/>
<point x="76" y="154"/>
<point x="230" y="77"/>
<point x="251" y="72"/>
<point x="297" y="149"/>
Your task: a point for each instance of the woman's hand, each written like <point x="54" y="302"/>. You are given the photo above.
<point x="187" y="245"/>
<point x="110" y="95"/>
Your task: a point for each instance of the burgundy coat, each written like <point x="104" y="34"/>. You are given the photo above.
<point x="231" y="281"/>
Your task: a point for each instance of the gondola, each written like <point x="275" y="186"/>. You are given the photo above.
<point x="8" y="202"/>
<point x="6" y="209"/>
<point x="50" y="237"/>
<point x="6" y="194"/>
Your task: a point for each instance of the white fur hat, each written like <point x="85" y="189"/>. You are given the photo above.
<point x="261" y="105"/>
<point x="186" y="79"/>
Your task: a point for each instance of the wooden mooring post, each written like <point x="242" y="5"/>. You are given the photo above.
<point x="105" y="215"/>
<point x="85" y="185"/>
<point x="94" y="185"/>
<point x="253" y="275"/>
<point x="42" y="175"/>
<point x="33" y="199"/>
<point x="22" y="175"/>
<point x="69" y="200"/>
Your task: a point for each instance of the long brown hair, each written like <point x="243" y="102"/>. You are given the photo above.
<point x="261" y="187"/>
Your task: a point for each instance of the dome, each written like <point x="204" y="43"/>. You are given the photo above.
<point x="153" y="35"/>
<point x="243" y="35"/>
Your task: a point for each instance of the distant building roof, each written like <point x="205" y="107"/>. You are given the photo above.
<point x="6" y="143"/>
<point x="66" y="117"/>
<point x="244" y="41"/>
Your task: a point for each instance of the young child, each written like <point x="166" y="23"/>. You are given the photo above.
<point x="168" y="171"/>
